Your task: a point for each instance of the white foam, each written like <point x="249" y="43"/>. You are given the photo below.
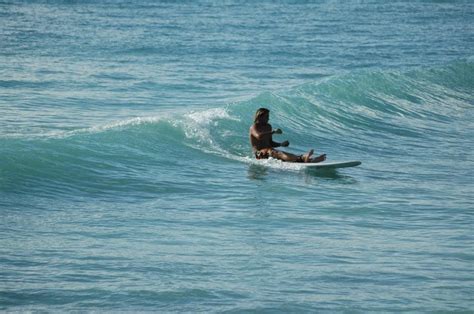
<point x="197" y="125"/>
<point x="124" y="123"/>
<point x="210" y="115"/>
<point x="270" y="163"/>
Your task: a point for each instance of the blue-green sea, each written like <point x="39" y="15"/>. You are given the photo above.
<point x="127" y="182"/>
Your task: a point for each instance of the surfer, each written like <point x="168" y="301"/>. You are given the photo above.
<point x="263" y="145"/>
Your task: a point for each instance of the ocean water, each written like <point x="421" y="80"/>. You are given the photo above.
<point x="127" y="181"/>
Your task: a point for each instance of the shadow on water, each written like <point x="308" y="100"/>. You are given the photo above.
<point x="257" y="172"/>
<point x="327" y="174"/>
<point x="323" y="173"/>
<point x="260" y="172"/>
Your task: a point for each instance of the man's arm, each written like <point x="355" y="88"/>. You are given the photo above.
<point x="284" y="144"/>
<point x="276" y="144"/>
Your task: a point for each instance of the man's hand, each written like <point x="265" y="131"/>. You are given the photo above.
<point x="285" y="144"/>
<point x="277" y="131"/>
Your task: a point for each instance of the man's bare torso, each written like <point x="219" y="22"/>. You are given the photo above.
<point x="265" y="136"/>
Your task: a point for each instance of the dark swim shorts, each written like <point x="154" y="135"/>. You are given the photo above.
<point x="262" y="154"/>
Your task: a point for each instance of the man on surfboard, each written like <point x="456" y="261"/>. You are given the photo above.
<point x="263" y="145"/>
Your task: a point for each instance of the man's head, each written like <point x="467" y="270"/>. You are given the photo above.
<point x="262" y="116"/>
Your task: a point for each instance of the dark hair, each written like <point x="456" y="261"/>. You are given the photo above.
<point x="259" y="114"/>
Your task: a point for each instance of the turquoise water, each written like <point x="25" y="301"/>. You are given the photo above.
<point x="127" y="181"/>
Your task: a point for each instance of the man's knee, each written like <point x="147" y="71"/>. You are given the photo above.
<point x="276" y="154"/>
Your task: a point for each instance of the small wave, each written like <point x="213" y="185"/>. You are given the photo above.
<point x="380" y="113"/>
<point x="382" y="101"/>
<point x="25" y="84"/>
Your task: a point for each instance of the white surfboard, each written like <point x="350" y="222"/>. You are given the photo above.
<point x="330" y="165"/>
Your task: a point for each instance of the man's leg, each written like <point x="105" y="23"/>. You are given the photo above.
<point x="291" y="157"/>
<point x="319" y="158"/>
